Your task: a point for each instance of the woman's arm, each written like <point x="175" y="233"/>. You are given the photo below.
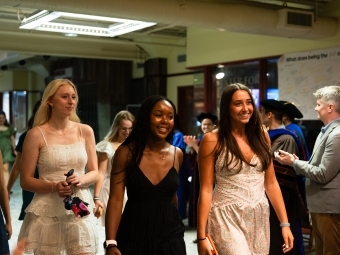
<point x="91" y="175"/>
<point x="206" y="167"/>
<point x="191" y="141"/>
<point x="29" y="160"/>
<point x="117" y="190"/>
<point x="13" y="144"/>
<point x="179" y="161"/>
<point x="14" y="172"/>
<point x="102" y="167"/>
<point x="4" y="201"/>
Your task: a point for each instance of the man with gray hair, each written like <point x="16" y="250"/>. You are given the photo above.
<point x="323" y="173"/>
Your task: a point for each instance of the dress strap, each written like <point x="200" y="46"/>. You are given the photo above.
<point x="81" y="131"/>
<point x="174" y="157"/>
<point x="42" y="135"/>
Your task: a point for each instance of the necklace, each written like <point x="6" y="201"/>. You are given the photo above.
<point x="161" y="154"/>
<point x="59" y="133"/>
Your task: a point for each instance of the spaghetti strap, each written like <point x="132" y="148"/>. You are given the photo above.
<point x="81" y="131"/>
<point x="174" y="157"/>
<point x="42" y="135"/>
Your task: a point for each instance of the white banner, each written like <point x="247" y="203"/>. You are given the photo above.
<point x="301" y="74"/>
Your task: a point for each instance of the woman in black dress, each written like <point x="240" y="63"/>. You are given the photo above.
<point x="147" y="164"/>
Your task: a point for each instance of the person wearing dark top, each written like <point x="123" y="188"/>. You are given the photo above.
<point x="271" y="112"/>
<point x="147" y="165"/>
<point x="184" y="172"/>
<point x="27" y="196"/>
<point x="208" y="122"/>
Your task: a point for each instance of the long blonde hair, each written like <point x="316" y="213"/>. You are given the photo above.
<point x="113" y="133"/>
<point x="44" y="112"/>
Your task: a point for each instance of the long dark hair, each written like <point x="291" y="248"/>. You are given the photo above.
<point x="253" y="129"/>
<point x="136" y="141"/>
<point x="6" y="121"/>
<point x="34" y="111"/>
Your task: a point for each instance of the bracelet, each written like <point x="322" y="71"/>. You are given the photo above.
<point x="110" y="246"/>
<point x="52" y="188"/>
<point x="285" y="224"/>
<point x="201" y="239"/>
<point x="96" y="198"/>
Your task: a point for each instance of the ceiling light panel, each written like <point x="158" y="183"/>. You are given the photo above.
<point x="64" y="22"/>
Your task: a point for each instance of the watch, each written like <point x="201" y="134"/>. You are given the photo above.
<point x="109" y="242"/>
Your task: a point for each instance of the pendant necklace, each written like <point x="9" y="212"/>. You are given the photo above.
<point x="54" y="130"/>
<point x="161" y="155"/>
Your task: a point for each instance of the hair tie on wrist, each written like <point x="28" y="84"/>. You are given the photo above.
<point x="285" y="224"/>
<point x="201" y="239"/>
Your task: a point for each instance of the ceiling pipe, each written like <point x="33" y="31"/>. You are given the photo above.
<point x="230" y="17"/>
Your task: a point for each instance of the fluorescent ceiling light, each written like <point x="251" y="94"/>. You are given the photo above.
<point x="81" y="24"/>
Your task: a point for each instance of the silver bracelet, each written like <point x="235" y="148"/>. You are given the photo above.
<point x="285" y="224"/>
<point x="96" y="198"/>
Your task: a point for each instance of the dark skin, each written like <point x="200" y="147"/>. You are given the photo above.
<point x="152" y="164"/>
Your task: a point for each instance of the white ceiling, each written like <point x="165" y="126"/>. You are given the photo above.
<point x="170" y="31"/>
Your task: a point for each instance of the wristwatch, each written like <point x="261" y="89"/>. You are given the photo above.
<point x="110" y="243"/>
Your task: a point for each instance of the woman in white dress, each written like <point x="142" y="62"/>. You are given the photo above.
<point x="119" y="131"/>
<point x="57" y="143"/>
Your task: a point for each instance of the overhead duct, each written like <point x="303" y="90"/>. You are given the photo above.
<point x="231" y="17"/>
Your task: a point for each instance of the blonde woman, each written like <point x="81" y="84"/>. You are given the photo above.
<point x="57" y="143"/>
<point x="119" y="131"/>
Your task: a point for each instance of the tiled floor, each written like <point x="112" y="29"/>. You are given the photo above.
<point x="16" y="202"/>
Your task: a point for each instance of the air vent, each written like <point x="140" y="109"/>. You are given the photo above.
<point x="295" y="19"/>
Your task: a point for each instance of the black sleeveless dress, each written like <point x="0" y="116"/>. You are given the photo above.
<point x="150" y="223"/>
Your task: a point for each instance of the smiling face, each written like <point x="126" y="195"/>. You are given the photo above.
<point x="206" y="125"/>
<point x="124" y="130"/>
<point x="241" y="107"/>
<point x="162" y="119"/>
<point x="64" y="100"/>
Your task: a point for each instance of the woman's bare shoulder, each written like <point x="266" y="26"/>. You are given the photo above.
<point x="211" y="136"/>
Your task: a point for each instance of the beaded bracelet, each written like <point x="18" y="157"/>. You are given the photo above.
<point x="285" y="224"/>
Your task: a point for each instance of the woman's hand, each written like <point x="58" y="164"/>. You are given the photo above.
<point x="8" y="230"/>
<point x="113" y="251"/>
<point x="98" y="209"/>
<point x="288" y="239"/>
<point x="203" y="247"/>
<point x="190" y="140"/>
<point x="19" y="250"/>
<point x="63" y="189"/>
<point x="75" y="180"/>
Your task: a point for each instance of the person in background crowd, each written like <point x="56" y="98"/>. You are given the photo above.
<point x="59" y="220"/>
<point x="147" y="165"/>
<point x="323" y="173"/>
<point x="5" y="228"/>
<point x="236" y="172"/>
<point x="119" y="131"/>
<point x="184" y="172"/>
<point x="27" y="196"/>
<point x="271" y="113"/>
<point x="208" y="121"/>
<point x="291" y="113"/>
<point x="7" y="144"/>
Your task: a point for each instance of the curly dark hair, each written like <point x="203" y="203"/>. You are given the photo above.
<point x="136" y="141"/>
<point x="253" y="129"/>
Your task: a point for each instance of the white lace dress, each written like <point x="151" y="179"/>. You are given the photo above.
<point x="106" y="147"/>
<point x="239" y="214"/>
<point x="48" y="226"/>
